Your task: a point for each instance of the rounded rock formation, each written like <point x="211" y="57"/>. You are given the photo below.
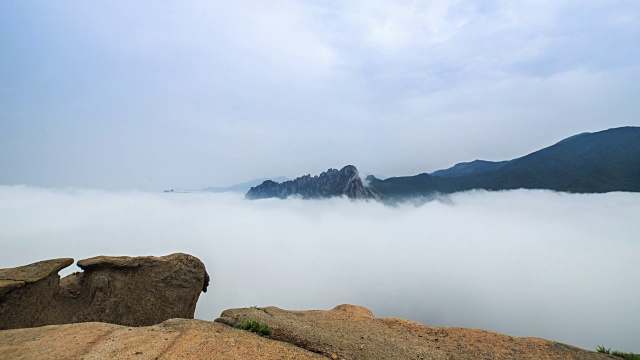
<point x="133" y="291"/>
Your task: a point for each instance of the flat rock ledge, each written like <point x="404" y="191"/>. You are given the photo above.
<point x="133" y="291"/>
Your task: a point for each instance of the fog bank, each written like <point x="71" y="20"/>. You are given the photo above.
<point x="525" y="263"/>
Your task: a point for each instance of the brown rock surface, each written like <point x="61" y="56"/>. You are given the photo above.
<point x="134" y="291"/>
<point x="352" y="332"/>
<point x="172" y="339"/>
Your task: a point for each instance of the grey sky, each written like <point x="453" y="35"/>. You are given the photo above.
<point x="151" y="95"/>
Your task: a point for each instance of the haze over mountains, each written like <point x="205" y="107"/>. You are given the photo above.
<point x="243" y="187"/>
<point x="597" y="162"/>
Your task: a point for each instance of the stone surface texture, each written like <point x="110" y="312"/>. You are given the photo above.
<point x="172" y="339"/>
<point x="134" y="291"/>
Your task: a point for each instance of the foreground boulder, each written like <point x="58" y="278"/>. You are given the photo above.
<point x="133" y="291"/>
<point x="352" y="332"/>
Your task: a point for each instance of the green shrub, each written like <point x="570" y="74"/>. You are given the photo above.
<point x="256" y="327"/>
<point x="624" y="355"/>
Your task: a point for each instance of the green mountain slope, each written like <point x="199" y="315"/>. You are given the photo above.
<point x="598" y="162"/>
<point x="470" y="168"/>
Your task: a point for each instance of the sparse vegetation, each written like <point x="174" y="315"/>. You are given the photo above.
<point x="256" y="327"/>
<point x="624" y="355"/>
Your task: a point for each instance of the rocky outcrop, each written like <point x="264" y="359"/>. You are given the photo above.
<point x="133" y="291"/>
<point x="352" y="332"/>
<point x="343" y="182"/>
<point x="172" y="339"/>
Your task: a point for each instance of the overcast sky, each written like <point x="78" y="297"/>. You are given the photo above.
<point x="157" y="94"/>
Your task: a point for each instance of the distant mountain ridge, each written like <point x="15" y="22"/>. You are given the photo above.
<point x="597" y="162"/>
<point x="470" y="168"/>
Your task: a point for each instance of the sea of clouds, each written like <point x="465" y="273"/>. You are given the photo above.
<point x="526" y="263"/>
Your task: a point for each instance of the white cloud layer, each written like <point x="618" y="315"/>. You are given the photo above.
<point x="526" y="263"/>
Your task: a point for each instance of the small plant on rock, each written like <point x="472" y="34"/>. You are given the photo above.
<point x="256" y="327"/>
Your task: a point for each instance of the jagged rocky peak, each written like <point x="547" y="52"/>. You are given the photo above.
<point x="333" y="182"/>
